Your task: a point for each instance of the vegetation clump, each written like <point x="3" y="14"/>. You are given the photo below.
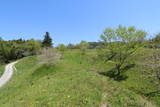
<point x="47" y="42"/>
<point x="15" y="49"/>
<point x="121" y="43"/>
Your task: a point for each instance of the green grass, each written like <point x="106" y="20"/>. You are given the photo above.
<point x="136" y="81"/>
<point x="71" y="82"/>
<point x="2" y="67"/>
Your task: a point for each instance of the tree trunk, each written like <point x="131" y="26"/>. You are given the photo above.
<point x="118" y="67"/>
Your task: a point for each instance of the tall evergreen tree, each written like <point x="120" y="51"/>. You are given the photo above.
<point x="47" y="42"/>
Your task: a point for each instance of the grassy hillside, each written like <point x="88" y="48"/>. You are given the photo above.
<point x="73" y="81"/>
<point x="1" y="69"/>
<point x="135" y="79"/>
<point x="140" y="84"/>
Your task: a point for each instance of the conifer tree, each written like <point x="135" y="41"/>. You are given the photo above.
<point x="47" y="42"/>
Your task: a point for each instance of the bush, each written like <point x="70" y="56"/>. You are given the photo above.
<point x="15" y="49"/>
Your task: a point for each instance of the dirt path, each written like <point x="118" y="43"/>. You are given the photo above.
<point x="7" y="74"/>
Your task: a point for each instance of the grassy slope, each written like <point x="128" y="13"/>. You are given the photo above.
<point x="68" y="83"/>
<point x="135" y="81"/>
<point x="1" y="69"/>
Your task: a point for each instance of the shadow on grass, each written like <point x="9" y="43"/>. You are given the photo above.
<point x="43" y="71"/>
<point x="113" y="74"/>
<point x="152" y="94"/>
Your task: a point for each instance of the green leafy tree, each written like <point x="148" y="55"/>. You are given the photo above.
<point x="47" y="42"/>
<point x="121" y="43"/>
<point x="15" y="49"/>
<point x="7" y="51"/>
<point x="32" y="46"/>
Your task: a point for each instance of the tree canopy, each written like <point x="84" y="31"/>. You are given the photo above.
<point x="47" y="42"/>
<point x="121" y="43"/>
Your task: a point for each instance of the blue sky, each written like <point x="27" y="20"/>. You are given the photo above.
<point x="70" y="21"/>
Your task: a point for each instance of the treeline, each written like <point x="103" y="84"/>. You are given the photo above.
<point x="15" y="49"/>
<point x="91" y="45"/>
<point x="150" y="43"/>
